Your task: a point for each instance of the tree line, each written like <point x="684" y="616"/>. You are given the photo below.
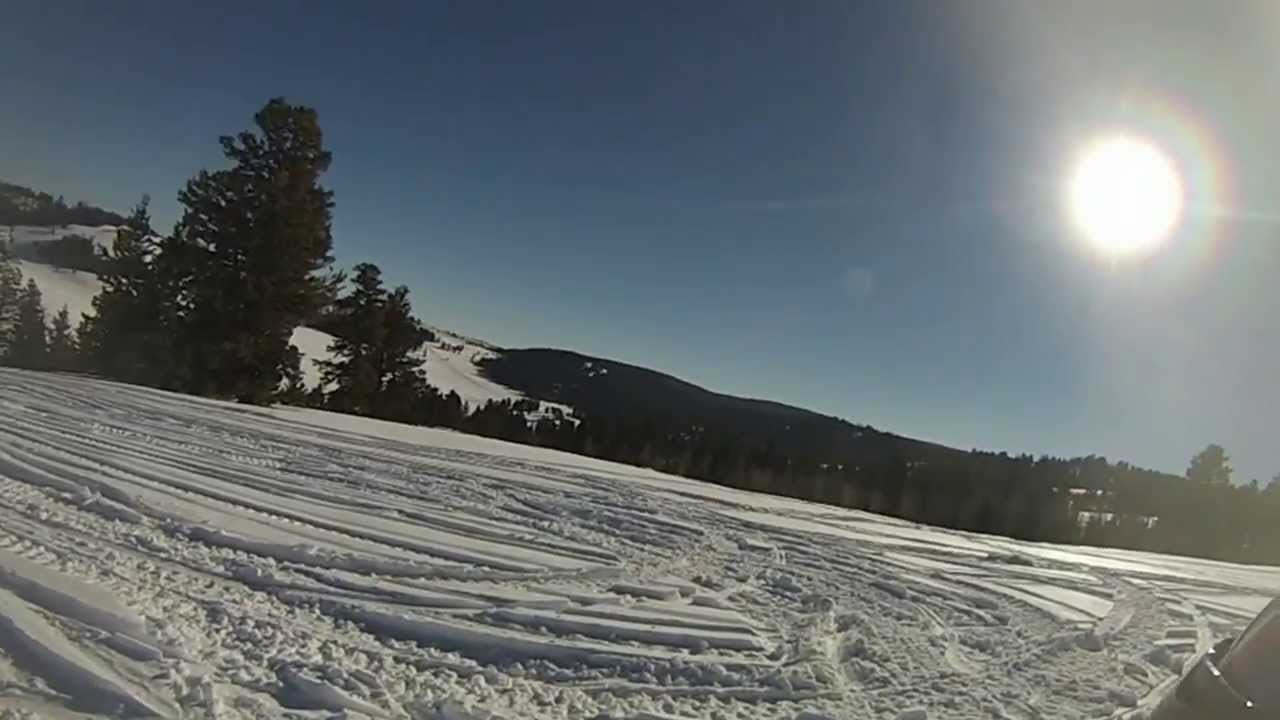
<point x="209" y="309"/>
<point x="23" y="206"/>
<point x="72" y="251"/>
<point x="1084" y="500"/>
<point x="27" y="340"/>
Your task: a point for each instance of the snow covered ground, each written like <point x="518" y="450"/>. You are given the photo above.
<point x="178" y="557"/>
<point x="451" y="362"/>
<point x="455" y="361"/>
<point x="59" y="288"/>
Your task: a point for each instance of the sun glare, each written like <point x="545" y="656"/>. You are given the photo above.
<point x="1125" y="195"/>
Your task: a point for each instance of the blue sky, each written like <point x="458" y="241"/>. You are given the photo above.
<point x="850" y="207"/>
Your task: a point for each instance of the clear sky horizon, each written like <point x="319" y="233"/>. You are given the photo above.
<point x="854" y="208"/>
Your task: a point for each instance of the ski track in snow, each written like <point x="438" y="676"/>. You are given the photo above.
<point x="169" y="556"/>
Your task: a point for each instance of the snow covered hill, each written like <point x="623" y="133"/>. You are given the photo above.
<point x="163" y="555"/>
<point x="102" y="236"/>
<point x="451" y="362"/>
<point x="59" y="288"/>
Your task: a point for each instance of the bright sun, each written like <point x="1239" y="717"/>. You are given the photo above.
<point x="1125" y="195"/>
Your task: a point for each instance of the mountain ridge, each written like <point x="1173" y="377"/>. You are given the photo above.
<point x="597" y="387"/>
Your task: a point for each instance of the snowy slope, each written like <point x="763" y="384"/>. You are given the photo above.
<point x="75" y="290"/>
<point x="450" y="362"/>
<point x="453" y="363"/>
<point x="172" y="556"/>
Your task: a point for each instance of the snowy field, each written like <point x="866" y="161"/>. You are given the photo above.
<point x="62" y="288"/>
<point x="169" y="556"/>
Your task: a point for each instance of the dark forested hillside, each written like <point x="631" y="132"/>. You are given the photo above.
<point x="601" y="389"/>
<point x="21" y="205"/>
<point x="648" y="418"/>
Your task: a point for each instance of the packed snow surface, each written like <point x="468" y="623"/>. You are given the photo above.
<point x="169" y="556"/>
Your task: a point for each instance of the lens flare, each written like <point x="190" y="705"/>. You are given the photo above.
<point x="1125" y="195"/>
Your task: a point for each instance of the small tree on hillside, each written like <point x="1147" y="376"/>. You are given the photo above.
<point x="449" y="412"/>
<point x="130" y="335"/>
<point x="10" y="293"/>
<point x="403" y="382"/>
<point x="62" y="343"/>
<point x="73" y="252"/>
<point x="358" y="324"/>
<point x="30" y="346"/>
<point x="375" y="368"/>
<point x="1210" y="466"/>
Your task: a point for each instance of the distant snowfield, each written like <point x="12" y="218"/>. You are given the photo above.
<point x="102" y="236"/>
<point x="450" y="362"/>
<point x="163" y="555"/>
<point x="62" y="288"/>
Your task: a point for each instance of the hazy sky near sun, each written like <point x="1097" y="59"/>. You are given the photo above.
<point x="855" y="208"/>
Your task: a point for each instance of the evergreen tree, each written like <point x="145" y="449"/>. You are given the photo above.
<point x="74" y="252"/>
<point x="399" y="359"/>
<point x="293" y="391"/>
<point x="130" y="335"/>
<point x="10" y="293"/>
<point x="449" y="412"/>
<point x="375" y="366"/>
<point x="358" y="325"/>
<point x="258" y="235"/>
<point x="30" y="346"/>
<point x="62" y="343"/>
<point x="1210" y="466"/>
